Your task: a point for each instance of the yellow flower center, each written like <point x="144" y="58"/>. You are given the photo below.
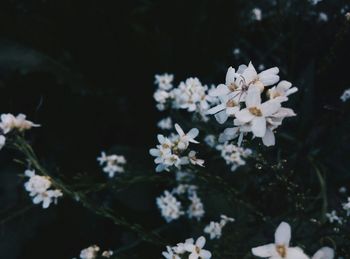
<point x="231" y="103"/>
<point x="255" y="111"/>
<point x="281" y="250"/>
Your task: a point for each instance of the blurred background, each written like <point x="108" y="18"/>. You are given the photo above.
<point x="85" y="71"/>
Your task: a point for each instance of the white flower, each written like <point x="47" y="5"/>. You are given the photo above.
<point x="169" y="254"/>
<point x="256" y="112"/>
<point x="197" y="250"/>
<point x="210" y="140"/>
<point x="112" y="164"/>
<point x="281" y="91"/>
<point x="346" y="95"/>
<point x="10" y="122"/>
<point x="180" y="248"/>
<point x="346" y="207"/>
<point x="196" y="208"/>
<point x="194" y="160"/>
<point x="107" y="254"/>
<point x="214" y="229"/>
<point x="324" y="253"/>
<point x="280" y="249"/>
<point x="234" y="155"/>
<point x="333" y="217"/>
<point x="185" y="139"/>
<point x="347" y="16"/>
<point x="164" y="81"/>
<point x="90" y="252"/>
<point x="169" y="206"/>
<point x="236" y="51"/>
<point x="38" y="188"/>
<point x="257" y="15"/>
<point x="165" y="124"/>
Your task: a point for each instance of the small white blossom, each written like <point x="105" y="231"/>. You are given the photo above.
<point x="214" y="229"/>
<point x="38" y="188"/>
<point x="164" y="81"/>
<point x="170" y="254"/>
<point x="257" y="14"/>
<point x="90" y="253"/>
<point x="280" y="249"/>
<point x="333" y="217"/>
<point x="112" y="163"/>
<point x="196" y="208"/>
<point x="165" y="124"/>
<point x="197" y="250"/>
<point x="169" y="206"/>
<point x="346" y="207"/>
<point x="180" y="247"/>
<point x="107" y="254"/>
<point x="234" y="155"/>
<point x="194" y="160"/>
<point x="346" y="95"/>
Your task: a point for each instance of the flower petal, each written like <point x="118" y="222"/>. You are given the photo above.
<point x="270" y="107"/>
<point x="230" y="75"/>
<point x="253" y="97"/>
<point x="219" y="90"/>
<point x="200" y="242"/>
<point x="259" y="126"/>
<point x="283" y="234"/>
<point x="296" y="253"/>
<point x="264" y="251"/>
<point x="324" y="253"/>
<point x="269" y="138"/>
<point x="216" y="109"/>
<point x="244" y="116"/>
<point x="205" y="254"/>
<point x="221" y="117"/>
<point x="179" y="130"/>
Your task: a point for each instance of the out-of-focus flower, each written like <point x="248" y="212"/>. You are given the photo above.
<point x="280" y="249"/>
<point x="257" y="14"/>
<point x="169" y="206"/>
<point x="9" y="122"/>
<point x="165" y="124"/>
<point x="333" y="217"/>
<point x="164" y="81"/>
<point x="346" y="95"/>
<point x="234" y="155"/>
<point x="112" y="164"/>
<point x="346" y="207"/>
<point x="324" y="253"/>
<point x="214" y="229"/>
<point x="170" y="254"/>
<point x="323" y="17"/>
<point x="197" y="250"/>
<point x="196" y="208"/>
<point x="90" y="253"/>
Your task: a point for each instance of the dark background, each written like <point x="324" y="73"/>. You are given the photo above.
<point x="84" y="70"/>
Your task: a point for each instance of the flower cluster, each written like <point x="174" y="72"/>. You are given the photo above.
<point x="9" y="122"/>
<point x="165" y="124"/>
<point x="241" y="100"/>
<point x="281" y="249"/>
<point x="112" y="164"/>
<point x="190" y="95"/>
<point x="214" y="229"/>
<point x="38" y="188"/>
<point x="193" y="249"/>
<point x="234" y="155"/>
<point x="171" y="207"/>
<point x="172" y="151"/>
<point x="92" y="252"/>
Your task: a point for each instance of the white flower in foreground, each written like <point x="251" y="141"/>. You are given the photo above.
<point x="257" y="14"/>
<point x="169" y="206"/>
<point x="9" y="122"/>
<point x="280" y="249"/>
<point x="185" y="139"/>
<point x="345" y="96"/>
<point x="165" y="124"/>
<point x="170" y="254"/>
<point x="164" y="81"/>
<point x="324" y="253"/>
<point x="180" y="247"/>
<point x="346" y="207"/>
<point x="112" y="164"/>
<point x="197" y="250"/>
<point x="38" y="188"/>
<point x="256" y="112"/>
<point x="90" y="252"/>
<point x="333" y="217"/>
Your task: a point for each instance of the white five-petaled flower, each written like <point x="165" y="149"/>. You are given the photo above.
<point x="333" y="217"/>
<point x="282" y="91"/>
<point x="164" y="81"/>
<point x="280" y="249"/>
<point x="197" y="250"/>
